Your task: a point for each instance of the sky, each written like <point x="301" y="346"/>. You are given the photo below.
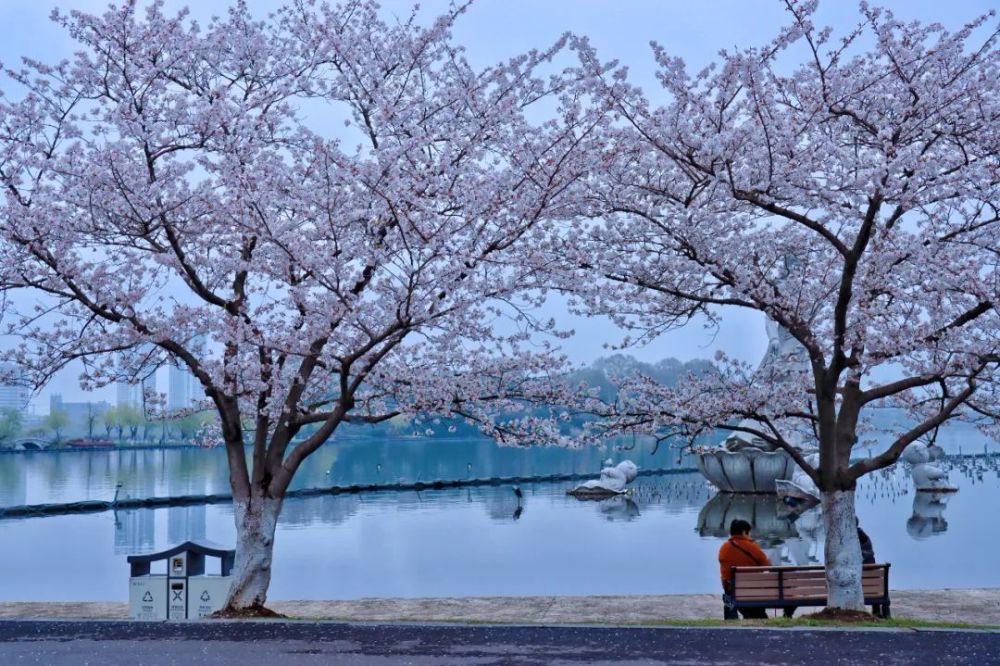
<point x="493" y="30"/>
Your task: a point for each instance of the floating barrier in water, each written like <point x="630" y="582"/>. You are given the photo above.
<point x="97" y="506"/>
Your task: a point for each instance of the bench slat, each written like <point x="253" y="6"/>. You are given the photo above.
<point x="750" y="589"/>
<point x="796" y="569"/>
<point x="798" y="592"/>
<point x="801" y="575"/>
<point x="748" y="577"/>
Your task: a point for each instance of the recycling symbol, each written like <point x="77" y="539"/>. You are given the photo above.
<point x="205" y="596"/>
<point x="148" y="596"/>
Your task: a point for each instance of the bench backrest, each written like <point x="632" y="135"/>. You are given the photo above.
<point x="801" y="583"/>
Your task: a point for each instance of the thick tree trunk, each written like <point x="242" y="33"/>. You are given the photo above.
<point x="255" y="523"/>
<point x="843" y="551"/>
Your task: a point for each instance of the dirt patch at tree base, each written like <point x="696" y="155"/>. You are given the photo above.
<point x="255" y="612"/>
<point x="841" y="615"/>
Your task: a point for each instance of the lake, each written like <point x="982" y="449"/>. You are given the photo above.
<point x="475" y="541"/>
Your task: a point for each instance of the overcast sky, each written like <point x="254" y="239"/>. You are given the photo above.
<point x="493" y="30"/>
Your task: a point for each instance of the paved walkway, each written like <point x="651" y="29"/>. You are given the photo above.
<point x="71" y="643"/>
<point x="979" y="606"/>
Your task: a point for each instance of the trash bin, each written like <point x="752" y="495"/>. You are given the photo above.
<point x="185" y="591"/>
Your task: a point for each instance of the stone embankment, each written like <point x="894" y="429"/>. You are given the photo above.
<point x="975" y="606"/>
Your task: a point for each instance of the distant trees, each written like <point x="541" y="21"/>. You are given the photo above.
<point x="56" y="422"/>
<point x="92" y="416"/>
<point x="120" y="419"/>
<point x="108" y="422"/>
<point x="10" y="425"/>
<point x="186" y="426"/>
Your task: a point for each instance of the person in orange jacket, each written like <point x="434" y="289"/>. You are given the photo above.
<point x="739" y="551"/>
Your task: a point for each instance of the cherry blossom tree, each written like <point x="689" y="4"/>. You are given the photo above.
<point x="847" y="189"/>
<point x="320" y="216"/>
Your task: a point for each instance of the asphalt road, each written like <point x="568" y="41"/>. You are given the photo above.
<point x="73" y="643"/>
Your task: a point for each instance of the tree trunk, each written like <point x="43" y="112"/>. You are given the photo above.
<point x="842" y="552"/>
<point x="255" y="523"/>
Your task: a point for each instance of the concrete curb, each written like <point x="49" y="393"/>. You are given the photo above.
<point x="973" y="606"/>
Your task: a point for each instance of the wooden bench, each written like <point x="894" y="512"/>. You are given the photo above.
<point x="790" y="587"/>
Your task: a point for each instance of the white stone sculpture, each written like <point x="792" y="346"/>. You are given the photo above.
<point x="801" y="488"/>
<point x="784" y="354"/>
<point x="613" y="480"/>
<point x="808" y="547"/>
<point x="745" y="463"/>
<point x="926" y="476"/>
<point x="747" y="470"/>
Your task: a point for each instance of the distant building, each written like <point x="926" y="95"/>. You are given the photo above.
<point x="182" y="389"/>
<point x="14" y="392"/>
<point x="79" y="414"/>
<point x="132" y="394"/>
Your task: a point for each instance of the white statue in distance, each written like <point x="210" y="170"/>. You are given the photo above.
<point x="926" y="476"/>
<point x="613" y="480"/>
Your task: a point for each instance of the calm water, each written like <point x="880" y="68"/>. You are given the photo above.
<point x="475" y="541"/>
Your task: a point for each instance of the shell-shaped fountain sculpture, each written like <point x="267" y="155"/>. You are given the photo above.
<point x="747" y="470"/>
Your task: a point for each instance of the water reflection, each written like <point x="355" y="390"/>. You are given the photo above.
<point x="65" y="476"/>
<point x="796" y="537"/>
<point x="928" y="515"/>
<point x="784" y="534"/>
<point x="620" y="507"/>
<point x="135" y="531"/>
<point x="761" y="511"/>
<point x="404" y="543"/>
<point x="507" y="504"/>
<point x="615" y="507"/>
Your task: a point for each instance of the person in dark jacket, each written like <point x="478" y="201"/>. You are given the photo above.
<point x="867" y="549"/>
<point x="868" y="557"/>
<point x="739" y="551"/>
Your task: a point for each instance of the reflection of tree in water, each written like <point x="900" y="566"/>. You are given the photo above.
<point x="13" y="481"/>
<point x="322" y="509"/>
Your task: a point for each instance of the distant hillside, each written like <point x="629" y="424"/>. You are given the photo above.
<point x="666" y="372"/>
<point x="598" y="374"/>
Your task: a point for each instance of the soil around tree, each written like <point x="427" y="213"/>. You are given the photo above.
<point x="255" y="612"/>
<point x="841" y="615"/>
